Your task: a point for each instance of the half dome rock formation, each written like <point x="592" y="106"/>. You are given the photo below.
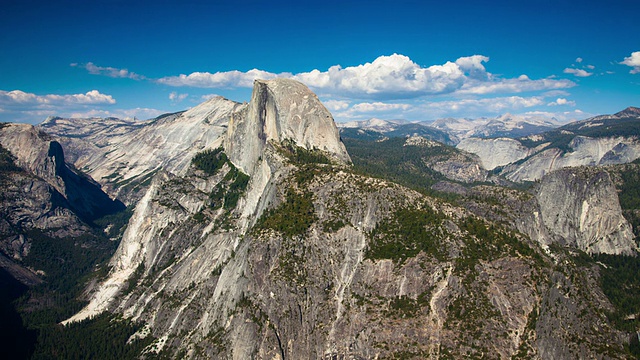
<point x="252" y="238"/>
<point x="281" y="109"/>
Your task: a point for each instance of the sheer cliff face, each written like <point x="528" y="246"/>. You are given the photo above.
<point x="495" y="152"/>
<point x="121" y="155"/>
<point x="42" y="197"/>
<point x="580" y="207"/>
<point x="279" y="110"/>
<point x="315" y="261"/>
<point x="511" y="154"/>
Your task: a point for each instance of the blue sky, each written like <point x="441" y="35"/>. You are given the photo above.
<point x="415" y="60"/>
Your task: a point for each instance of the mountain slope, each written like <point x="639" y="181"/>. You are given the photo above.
<point x="53" y="235"/>
<point x="602" y="140"/>
<point x="303" y="258"/>
<point x="123" y="156"/>
<point x="376" y="129"/>
<point x="507" y="125"/>
<point x="415" y="161"/>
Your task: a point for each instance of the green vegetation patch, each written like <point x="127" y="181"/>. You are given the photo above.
<point x="489" y="242"/>
<point x="406" y="233"/>
<point x="391" y="160"/>
<point x="102" y="337"/>
<point x="237" y="183"/>
<point x="401" y="307"/>
<point x="228" y="191"/>
<point x="627" y="181"/>
<point x="620" y="281"/>
<point x="629" y="188"/>
<point x="66" y="262"/>
<point x="115" y="223"/>
<point x="210" y="161"/>
<point x="299" y="156"/>
<point x="292" y="217"/>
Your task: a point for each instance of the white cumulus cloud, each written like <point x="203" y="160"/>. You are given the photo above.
<point x="577" y="72"/>
<point x="394" y="76"/>
<point x="21" y="106"/>
<point x="228" y="79"/>
<point x="562" y="101"/>
<point x="389" y="77"/>
<point x="336" y="105"/>
<point x="21" y="98"/>
<point x="633" y="61"/>
<point x="472" y="65"/>
<point x="398" y="77"/>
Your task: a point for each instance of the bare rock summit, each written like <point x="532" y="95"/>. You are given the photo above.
<point x="279" y="110"/>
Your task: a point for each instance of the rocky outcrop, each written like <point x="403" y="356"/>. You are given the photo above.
<point x="124" y="155"/>
<point x="601" y="140"/>
<point x="42" y="156"/>
<point x="580" y="208"/>
<point x="42" y="197"/>
<point x="495" y="152"/>
<point x="281" y="109"/>
<point x="529" y="164"/>
<point x="584" y="151"/>
<point x="454" y="165"/>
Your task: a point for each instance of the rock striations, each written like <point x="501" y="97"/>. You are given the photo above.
<point x="601" y="140"/>
<point x="283" y="251"/>
<point x="42" y="196"/>
<point x="123" y="155"/>
<point x="280" y="110"/>
<point x="579" y="207"/>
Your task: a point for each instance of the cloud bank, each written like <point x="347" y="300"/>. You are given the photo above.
<point x="17" y="98"/>
<point x="396" y="86"/>
<point x="20" y="106"/>
<point x="229" y="79"/>
<point x="387" y="77"/>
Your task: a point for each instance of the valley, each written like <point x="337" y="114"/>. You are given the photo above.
<point x="262" y="230"/>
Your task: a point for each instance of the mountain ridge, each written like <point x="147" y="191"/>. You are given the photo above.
<point x="261" y="240"/>
<point x="311" y="240"/>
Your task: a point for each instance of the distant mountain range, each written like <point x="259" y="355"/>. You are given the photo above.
<point x="601" y="140"/>
<point x="259" y="230"/>
<point x="450" y="130"/>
